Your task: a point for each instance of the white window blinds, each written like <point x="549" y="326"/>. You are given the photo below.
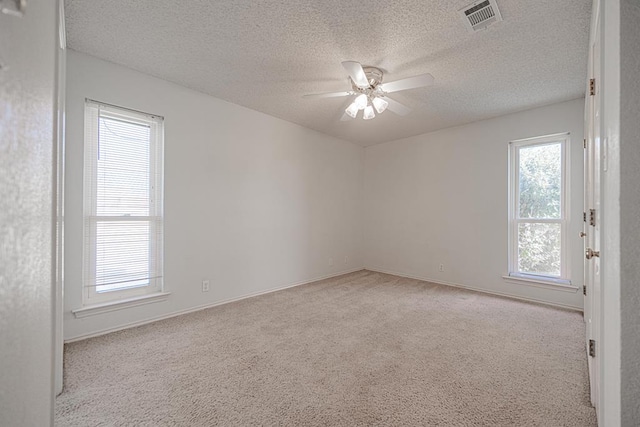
<point x="123" y="218"/>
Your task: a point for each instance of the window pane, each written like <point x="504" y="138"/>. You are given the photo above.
<point x="123" y="168"/>
<point x="123" y="201"/>
<point x="122" y="255"/>
<point x="539" y="249"/>
<point x="540" y="181"/>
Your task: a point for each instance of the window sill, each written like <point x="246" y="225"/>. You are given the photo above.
<point x="92" y="310"/>
<point x="555" y="284"/>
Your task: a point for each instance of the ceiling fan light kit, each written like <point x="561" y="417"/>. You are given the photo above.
<point x="352" y="110"/>
<point x="380" y="105"/>
<point x="368" y="113"/>
<point x="370" y="92"/>
<point x="361" y="101"/>
<point x="366" y="83"/>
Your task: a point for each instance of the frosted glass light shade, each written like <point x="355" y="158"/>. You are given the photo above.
<point x="380" y="104"/>
<point x="352" y="110"/>
<point x="361" y="101"/>
<point x="368" y="113"/>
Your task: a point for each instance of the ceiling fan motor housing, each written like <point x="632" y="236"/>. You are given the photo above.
<point x="374" y="76"/>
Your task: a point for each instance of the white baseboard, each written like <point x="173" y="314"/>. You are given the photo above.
<point x="203" y="307"/>
<point x="476" y="289"/>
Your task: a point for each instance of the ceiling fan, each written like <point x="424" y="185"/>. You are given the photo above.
<point x="370" y="93"/>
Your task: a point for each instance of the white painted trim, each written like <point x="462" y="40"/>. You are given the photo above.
<point x="62" y="26"/>
<point x="472" y="288"/>
<point x="58" y="210"/>
<point x="106" y="307"/>
<point x="556" y="285"/>
<point x="205" y="306"/>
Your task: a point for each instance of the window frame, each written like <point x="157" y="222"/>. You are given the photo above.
<point x="515" y="146"/>
<point x="94" y="110"/>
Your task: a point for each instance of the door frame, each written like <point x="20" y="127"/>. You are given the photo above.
<point x="58" y="202"/>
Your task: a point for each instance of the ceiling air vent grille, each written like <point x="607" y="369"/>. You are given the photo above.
<point x="480" y="15"/>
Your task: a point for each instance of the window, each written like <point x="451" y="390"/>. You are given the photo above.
<point x="538" y="209"/>
<point x="123" y="227"/>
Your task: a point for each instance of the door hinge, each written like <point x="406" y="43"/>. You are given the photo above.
<point x="592" y="217"/>
<point x="592" y="348"/>
<point x="14" y="7"/>
<point x="584" y="290"/>
<point x="584" y="216"/>
<point x="592" y="87"/>
<point x="584" y="143"/>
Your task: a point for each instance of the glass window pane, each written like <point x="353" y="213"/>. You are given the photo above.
<point x="539" y="249"/>
<point x="122" y="255"/>
<point x="540" y="179"/>
<point x="123" y="168"/>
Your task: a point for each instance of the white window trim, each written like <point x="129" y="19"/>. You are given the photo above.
<point x="542" y="282"/>
<point x="106" y="307"/>
<point x="514" y="276"/>
<point x="92" y="301"/>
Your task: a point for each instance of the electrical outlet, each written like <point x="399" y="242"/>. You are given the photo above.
<point x="330" y="262"/>
<point x="441" y="267"/>
<point x="205" y="286"/>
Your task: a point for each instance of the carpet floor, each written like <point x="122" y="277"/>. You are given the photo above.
<point x="360" y="349"/>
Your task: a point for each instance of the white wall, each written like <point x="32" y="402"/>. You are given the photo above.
<point x="27" y="144"/>
<point x="609" y="407"/>
<point x="629" y="209"/>
<point x="251" y="202"/>
<point x="442" y="198"/>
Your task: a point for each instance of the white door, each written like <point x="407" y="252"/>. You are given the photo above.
<point x="593" y="214"/>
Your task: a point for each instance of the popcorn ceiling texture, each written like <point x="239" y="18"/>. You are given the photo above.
<point x="266" y="54"/>
<point x="359" y="349"/>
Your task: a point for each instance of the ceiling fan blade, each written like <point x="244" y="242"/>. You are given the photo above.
<point x="356" y="73"/>
<point x="409" y="83"/>
<point x="327" y="95"/>
<point x="396" y="107"/>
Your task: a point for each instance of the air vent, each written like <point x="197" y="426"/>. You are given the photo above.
<point x="480" y="14"/>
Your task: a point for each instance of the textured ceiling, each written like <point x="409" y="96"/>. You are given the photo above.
<point x="266" y="54"/>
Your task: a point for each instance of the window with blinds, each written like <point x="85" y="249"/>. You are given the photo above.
<point x="123" y="217"/>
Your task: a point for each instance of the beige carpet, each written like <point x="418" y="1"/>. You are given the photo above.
<point x="360" y="349"/>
